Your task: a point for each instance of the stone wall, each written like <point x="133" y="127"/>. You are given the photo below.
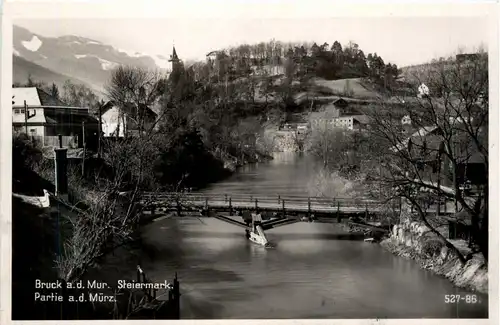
<point x="412" y="239"/>
<point x="279" y="141"/>
<point x="286" y="142"/>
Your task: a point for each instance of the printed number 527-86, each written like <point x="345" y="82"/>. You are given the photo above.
<point x="454" y="299"/>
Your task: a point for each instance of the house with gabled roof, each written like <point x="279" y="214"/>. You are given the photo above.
<point x="338" y="115"/>
<point x="426" y="145"/>
<point x="44" y="117"/>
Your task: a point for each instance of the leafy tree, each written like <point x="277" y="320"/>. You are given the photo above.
<point x="337" y="53"/>
<point x="54" y="91"/>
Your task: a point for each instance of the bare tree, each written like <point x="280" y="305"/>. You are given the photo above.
<point x="113" y="208"/>
<point x="299" y="139"/>
<point x="136" y="87"/>
<point x="330" y="145"/>
<point x="450" y="131"/>
<point x="79" y="96"/>
<point x="112" y="216"/>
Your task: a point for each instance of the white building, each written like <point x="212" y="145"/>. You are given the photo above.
<point x="351" y="122"/>
<point x="111" y="123"/>
<point x="406" y="120"/>
<point x="36" y="120"/>
<point x="116" y="120"/>
<point x="44" y="118"/>
<point x="335" y="116"/>
<point x="423" y="91"/>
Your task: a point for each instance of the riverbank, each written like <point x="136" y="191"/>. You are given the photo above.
<point x="413" y="241"/>
<point x="231" y="163"/>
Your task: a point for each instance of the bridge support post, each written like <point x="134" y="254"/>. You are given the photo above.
<point x="178" y="207"/>
<point x="279" y="199"/>
<point x="256" y="206"/>
<point x="308" y="207"/>
<point x="206" y="205"/>
<point x="283" y="207"/>
<point x="339" y="220"/>
<point x="230" y="207"/>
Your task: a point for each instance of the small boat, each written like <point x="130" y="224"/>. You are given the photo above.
<point x="258" y="239"/>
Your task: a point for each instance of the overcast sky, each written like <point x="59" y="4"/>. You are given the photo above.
<point x="401" y="40"/>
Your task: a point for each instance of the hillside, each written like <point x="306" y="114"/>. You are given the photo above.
<point x="22" y="69"/>
<point x="353" y="87"/>
<point x="416" y="73"/>
<point x="324" y="91"/>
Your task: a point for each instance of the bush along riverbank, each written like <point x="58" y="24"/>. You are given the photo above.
<point x="232" y="161"/>
<point x="412" y="240"/>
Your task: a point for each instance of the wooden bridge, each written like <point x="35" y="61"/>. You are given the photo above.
<point x="234" y="204"/>
<point x="284" y="205"/>
<point x="259" y="213"/>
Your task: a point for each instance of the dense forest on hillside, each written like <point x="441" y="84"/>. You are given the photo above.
<point x="300" y="60"/>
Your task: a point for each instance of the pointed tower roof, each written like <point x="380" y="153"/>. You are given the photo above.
<point x="174" y="57"/>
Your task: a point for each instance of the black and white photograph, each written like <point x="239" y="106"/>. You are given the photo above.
<point x="237" y="167"/>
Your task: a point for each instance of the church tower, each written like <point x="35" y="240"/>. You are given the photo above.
<point x="176" y="63"/>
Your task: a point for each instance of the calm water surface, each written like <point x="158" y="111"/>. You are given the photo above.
<point x="314" y="271"/>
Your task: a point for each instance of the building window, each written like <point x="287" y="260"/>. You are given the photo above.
<point x="22" y="111"/>
<point x="33" y="131"/>
<point x="16" y="111"/>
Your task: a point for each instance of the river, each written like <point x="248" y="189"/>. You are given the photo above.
<point x="315" y="271"/>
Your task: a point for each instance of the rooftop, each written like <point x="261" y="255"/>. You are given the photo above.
<point x="34" y="97"/>
<point x="129" y="109"/>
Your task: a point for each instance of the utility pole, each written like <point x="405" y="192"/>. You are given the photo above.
<point x="380" y="178"/>
<point x="100" y="133"/>
<point x="441" y="146"/>
<point x="26" y="117"/>
<point x="84" y="145"/>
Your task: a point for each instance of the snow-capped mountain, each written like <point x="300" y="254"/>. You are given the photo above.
<point x="78" y="57"/>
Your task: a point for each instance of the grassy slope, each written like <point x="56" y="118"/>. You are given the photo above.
<point x="416" y="73"/>
<point x="326" y="91"/>
<point x="359" y="88"/>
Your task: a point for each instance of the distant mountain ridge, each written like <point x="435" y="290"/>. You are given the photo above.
<point x="23" y="69"/>
<point x="79" y="58"/>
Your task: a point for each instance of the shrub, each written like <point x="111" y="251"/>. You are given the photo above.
<point x="432" y="247"/>
<point x="25" y="153"/>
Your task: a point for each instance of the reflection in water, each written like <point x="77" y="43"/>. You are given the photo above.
<point x="310" y="274"/>
<point x="315" y="270"/>
<point x="286" y="174"/>
<point x="257" y="251"/>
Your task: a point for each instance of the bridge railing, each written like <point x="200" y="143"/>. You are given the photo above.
<point x="180" y="201"/>
<point x="291" y="201"/>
